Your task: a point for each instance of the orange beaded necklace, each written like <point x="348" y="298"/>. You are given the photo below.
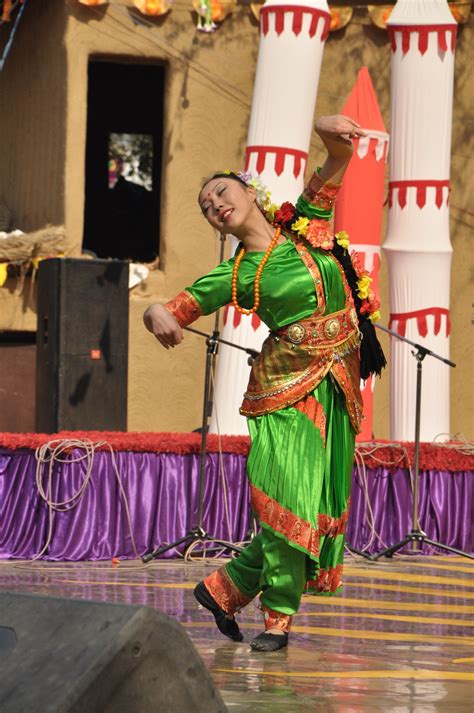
<point x="258" y="274"/>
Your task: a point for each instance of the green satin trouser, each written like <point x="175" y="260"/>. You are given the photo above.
<point x="280" y="572"/>
<point x="291" y="464"/>
<point x="270" y="566"/>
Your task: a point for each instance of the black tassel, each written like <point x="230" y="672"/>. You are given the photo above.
<point x="372" y="358"/>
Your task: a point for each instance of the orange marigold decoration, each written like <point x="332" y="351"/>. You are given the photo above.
<point x="91" y="3"/>
<point x="379" y="14"/>
<point x="460" y="11"/>
<point x="152" y="7"/>
<point x="319" y="234"/>
<point x="340" y="17"/>
<point x="7" y="8"/>
<point x="217" y="11"/>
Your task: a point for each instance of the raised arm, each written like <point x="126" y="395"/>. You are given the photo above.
<point x="320" y="192"/>
<point x="336" y="133"/>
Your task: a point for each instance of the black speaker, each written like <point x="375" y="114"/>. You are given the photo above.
<point x="71" y="656"/>
<point x="82" y="345"/>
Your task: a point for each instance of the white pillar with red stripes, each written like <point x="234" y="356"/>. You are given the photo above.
<point x="418" y="248"/>
<point x="292" y="37"/>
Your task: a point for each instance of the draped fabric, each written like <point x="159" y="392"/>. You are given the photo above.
<point x="162" y="495"/>
<point x="446" y="508"/>
<point x="161" y="490"/>
<point x="299" y="469"/>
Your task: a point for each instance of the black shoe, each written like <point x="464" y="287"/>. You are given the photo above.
<point x="228" y="627"/>
<point x="269" y="642"/>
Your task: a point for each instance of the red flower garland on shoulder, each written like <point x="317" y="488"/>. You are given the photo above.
<point x="285" y="213"/>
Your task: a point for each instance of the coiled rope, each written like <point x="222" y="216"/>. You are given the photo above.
<point x="60" y="451"/>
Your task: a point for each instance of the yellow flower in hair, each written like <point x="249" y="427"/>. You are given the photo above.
<point x="363" y="286"/>
<point x="300" y="226"/>
<point x="375" y="316"/>
<point x="342" y="239"/>
<point x="227" y="172"/>
<point x="270" y="212"/>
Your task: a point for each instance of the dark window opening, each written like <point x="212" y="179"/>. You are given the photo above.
<point x="123" y="160"/>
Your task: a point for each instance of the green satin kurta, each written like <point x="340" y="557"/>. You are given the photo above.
<point x="286" y="288"/>
<point x="302" y="470"/>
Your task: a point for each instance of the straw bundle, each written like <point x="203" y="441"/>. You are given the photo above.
<point x="47" y="242"/>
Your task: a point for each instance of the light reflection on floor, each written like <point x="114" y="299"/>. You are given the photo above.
<point x="400" y="638"/>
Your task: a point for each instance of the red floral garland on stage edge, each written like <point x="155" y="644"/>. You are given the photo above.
<point x="388" y="454"/>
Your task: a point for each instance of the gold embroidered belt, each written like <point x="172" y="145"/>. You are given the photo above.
<point x="321" y="333"/>
<point x="296" y="358"/>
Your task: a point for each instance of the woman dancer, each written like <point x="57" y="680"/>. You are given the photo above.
<point x="303" y="400"/>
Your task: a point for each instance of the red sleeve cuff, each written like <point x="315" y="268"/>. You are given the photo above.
<point x="184" y="308"/>
<point x="321" y="194"/>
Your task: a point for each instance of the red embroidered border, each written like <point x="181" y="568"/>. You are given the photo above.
<point x="284" y="521"/>
<point x="329" y="580"/>
<point x="294" y="528"/>
<point x="225" y="592"/>
<point x="321" y="194"/>
<point x="276" y="620"/>
<point x="347" y="374"/>
<point x="333" y="526"/>
<point x="313" y="269"/>
<point x="185" y="308"/>
<point x="315" y="412"/>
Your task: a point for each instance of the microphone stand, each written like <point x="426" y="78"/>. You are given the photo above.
<point x="416" y="535"/>
<point x="198" y="533"/>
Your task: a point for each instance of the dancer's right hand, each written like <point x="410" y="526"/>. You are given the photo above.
<point x="163" y="325"/>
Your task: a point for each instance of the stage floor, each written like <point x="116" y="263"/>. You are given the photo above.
<point x="400" y="637"/>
